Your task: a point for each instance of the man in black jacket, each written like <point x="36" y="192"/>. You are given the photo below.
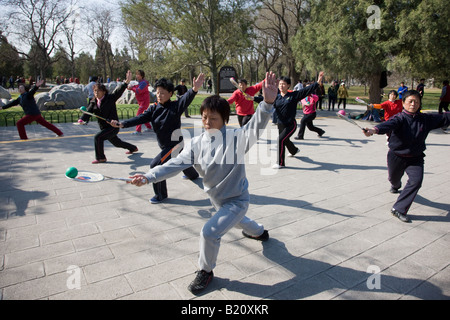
<point x="408" y="132"/>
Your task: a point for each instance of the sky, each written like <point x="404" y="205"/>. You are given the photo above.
<point x="83" y="42"/>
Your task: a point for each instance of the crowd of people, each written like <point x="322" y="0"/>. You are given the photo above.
<point x="224" y="182"/>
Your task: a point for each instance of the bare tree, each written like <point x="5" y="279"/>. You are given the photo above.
<point x="101" y="24"/>
<point x="70" y="28"/>
<point x="281" y="20"/>
<point x="38" y="23"/>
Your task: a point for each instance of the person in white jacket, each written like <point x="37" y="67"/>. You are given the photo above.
<point x="218" y="156"/>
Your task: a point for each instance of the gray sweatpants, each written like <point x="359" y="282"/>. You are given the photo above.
<point x="230" y="214"/>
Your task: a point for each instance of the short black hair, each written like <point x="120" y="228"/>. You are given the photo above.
<point x="243" y="81"/>
<point x="142" y="73"/>
<point x="286" y="79"/>
<point x="412" y="93"/>
<point x="394" y="92"/>
<point x="101" y="87"/>
<point x="165" y="84"/>
<point x="217" y="104"/>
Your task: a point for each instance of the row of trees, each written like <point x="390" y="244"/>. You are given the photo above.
<point x="178" y="38"/>
<point x="49" y="31"/>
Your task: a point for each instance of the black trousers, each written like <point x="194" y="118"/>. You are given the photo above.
<point x="414" y="168"/>
<point x="331" y="102"/>
<point x="443" y="106"/>
<point x="307" y="121"/>
<point x="109" y="134"/>
<point x="285" y="132"/>
<point x="244" y="119"/>
<point x="160" y="188"/>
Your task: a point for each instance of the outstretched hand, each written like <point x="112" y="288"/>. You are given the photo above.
<point x="369" y="132"/>
<point x="270" y="88"/>
<point x="320" y="78"/>
<point x="138" y="180"/>
<point x="198" y="82"/>
<point x="129" y="76"/>
<point x="115" y="124"/>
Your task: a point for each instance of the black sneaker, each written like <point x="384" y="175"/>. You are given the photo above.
<point x="263" y="237"/>
<point x="201" y="281"/>
<point x="394" y="190"/>
<point x="401" y="216"/>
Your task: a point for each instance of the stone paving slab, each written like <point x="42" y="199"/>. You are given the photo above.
<point x="332" y="236"/>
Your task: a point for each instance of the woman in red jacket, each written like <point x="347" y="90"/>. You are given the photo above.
<point x="391" y="107"/>
<point x="142" y="97"/>
<point x="243" y="97"/>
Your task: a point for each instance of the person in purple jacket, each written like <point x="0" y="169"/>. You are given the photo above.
<point x="408" y="132"/>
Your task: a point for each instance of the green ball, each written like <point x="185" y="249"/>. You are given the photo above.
<point x="71" y="172"/>
<point x="83" y="108"/>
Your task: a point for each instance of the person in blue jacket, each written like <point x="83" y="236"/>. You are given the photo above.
<point x="401" y="90"/>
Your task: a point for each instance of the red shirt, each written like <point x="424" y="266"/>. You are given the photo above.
<point x="142" y="93"/>
<point x="244" y="106"/>
<point x="391" y="108"/>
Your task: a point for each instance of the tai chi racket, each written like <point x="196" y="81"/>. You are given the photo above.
<point x="170" y="152"/>
<point x="362" y="101"/>
<point x="91" y="114"/>
<point x="350" y="120"/>
<point x="86" y="176"/>
<point x="234" y="83"/>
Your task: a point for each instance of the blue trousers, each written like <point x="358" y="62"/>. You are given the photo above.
<point x="414" y="168"/>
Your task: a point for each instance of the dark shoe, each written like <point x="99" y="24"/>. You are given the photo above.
<point x="293" y="154"/>
<point x="185" y="177"/>
<point x="263" y="237"/>
<point x="131" y="152"/>
<point x="201" y="281"/>
<point x="393" y="190"/>
<point x="402" y="217"/>
<point x="156" y="200"/>
<point x="298" y="138"/>
<point x="322" y="133"/>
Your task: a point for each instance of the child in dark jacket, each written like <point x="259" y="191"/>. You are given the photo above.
<point x="409" y="130"/>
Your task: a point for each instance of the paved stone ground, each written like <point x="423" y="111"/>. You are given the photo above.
<point x="332" y="236"/>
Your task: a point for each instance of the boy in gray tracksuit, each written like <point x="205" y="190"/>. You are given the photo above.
<point x="218" y="156"/>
